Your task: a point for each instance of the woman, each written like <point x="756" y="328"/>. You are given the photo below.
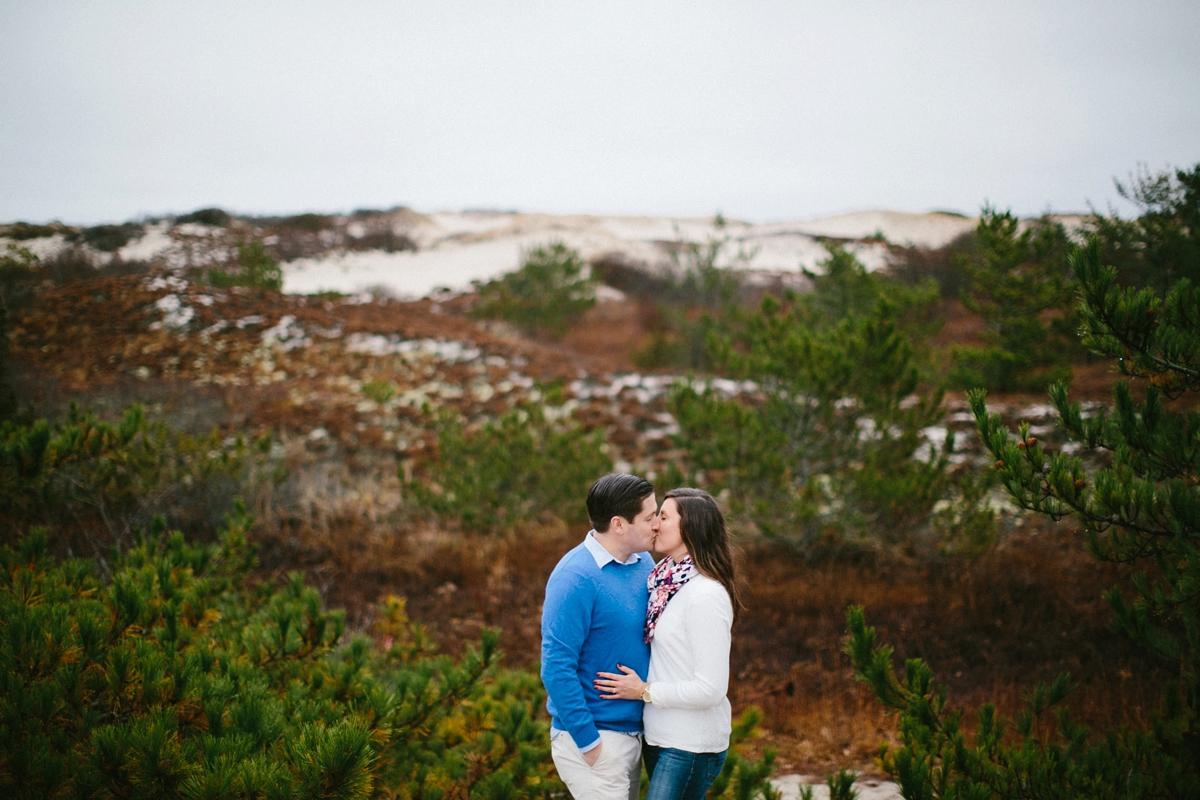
<point x="693" y="603"/>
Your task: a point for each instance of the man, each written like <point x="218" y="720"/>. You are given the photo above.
<point x="592" y="622"/>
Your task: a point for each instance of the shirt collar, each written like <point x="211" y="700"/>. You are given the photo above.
<point x="602" y="556"/>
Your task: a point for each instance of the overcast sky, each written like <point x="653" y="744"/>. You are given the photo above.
<point x="765" y="111"/>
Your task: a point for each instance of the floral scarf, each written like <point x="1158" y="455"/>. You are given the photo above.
<point x="666" y="579"/>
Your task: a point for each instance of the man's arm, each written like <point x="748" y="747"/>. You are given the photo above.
<point x="566" y="621"/>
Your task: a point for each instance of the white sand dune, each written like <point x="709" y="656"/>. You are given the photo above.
<point x="458" y="248"/>
<point x="922" y="230"/>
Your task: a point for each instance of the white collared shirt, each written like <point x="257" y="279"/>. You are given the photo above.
<point x="602" y="555"/>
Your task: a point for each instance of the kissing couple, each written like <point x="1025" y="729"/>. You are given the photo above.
<point x="635" y="655"/>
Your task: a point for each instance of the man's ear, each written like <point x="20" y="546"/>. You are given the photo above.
<point x="616" y="524"/>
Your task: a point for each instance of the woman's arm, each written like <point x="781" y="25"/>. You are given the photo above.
<point x="619" y="687"/>
<point x="709" y="620"/>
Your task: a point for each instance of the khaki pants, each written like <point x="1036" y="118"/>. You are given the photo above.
<point x="616" y="775"/>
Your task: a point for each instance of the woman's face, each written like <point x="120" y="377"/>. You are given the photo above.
<point x="669" y="540"/>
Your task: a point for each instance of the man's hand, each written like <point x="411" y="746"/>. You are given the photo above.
<point x="593" y="755"/>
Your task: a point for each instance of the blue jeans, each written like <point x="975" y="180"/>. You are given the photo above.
<point x="678" y="774"/>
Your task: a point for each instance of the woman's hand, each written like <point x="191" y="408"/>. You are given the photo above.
<point x="619" y="687"/>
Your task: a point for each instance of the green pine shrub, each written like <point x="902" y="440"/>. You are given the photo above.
<point x="21" y="271"/>
<point x="18" y="270"/>
<point x="546" y="294"/>
<point x="179" y="677"/>
<point x="744" y="778"/>
<point x="214" y="217"/>
<point x="386" y="240"/>
<point x="1162" y="245"/>
<point x="699" y="281"/>
<point x="9" y="404"/>
<point x="71" y="264"/>
<point x="841" y="784"/>
<point x="693" y="303"/>
<point x="379" y="391"/>
<point x="92" y="482"/>
<point x="256" y="269"/>
<point x="510" y="470"/>
<point x="914" y="265"/>
<point x="310" y="222"/>
<point x="1022" y="286"/>
<point x="21" y="231"/>
<point x="824" y="458"/>
<point x="107" y="238"/>
<point x="1142" y="509"/>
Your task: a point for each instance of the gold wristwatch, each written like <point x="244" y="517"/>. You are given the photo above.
<point x="645" y="693"/>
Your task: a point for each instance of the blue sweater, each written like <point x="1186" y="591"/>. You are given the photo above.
<point x="592" y="621"/>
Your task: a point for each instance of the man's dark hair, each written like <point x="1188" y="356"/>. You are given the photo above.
<point x="616" y="494"/>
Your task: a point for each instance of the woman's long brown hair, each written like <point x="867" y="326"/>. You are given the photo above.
<point x="702" y="527"/>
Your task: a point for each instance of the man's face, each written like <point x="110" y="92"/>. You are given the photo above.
<point x="640" y="534"/>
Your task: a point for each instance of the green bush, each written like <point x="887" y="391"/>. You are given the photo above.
<point x="386" y="240"/>
<point x="18" y="270"/>
<point x="700" y="281"/>
<point x="914" y="265"/>
<point x="693" y="304"/>
<point x="310" y="222"/>
<point x="214" y="217"/>
<point x="108" y="238"/>
<point x="841" y="784"/>
<point x="1144" y="506"/>
<point x="20" y="231"/>
<point x="1023" y="288"/>
<point x="256" y="269"/>
<point x="93" y="482"/>
<point x="1162" y="245"/>
<point x="9" y="404"/>
<point x="742" y="778"/>
<point x="825" y="455"/>
<point x="516" y="468"/>
<point x="378" y="391"/>
<point x="1039" y="754"/>
<point x="179" y="678"/>
<point x="545" y="294"/>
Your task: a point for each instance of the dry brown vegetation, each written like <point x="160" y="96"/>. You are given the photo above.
<point x="989" y="627"/>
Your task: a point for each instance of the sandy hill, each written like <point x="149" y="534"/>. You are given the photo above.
<point x="411" y="254"/>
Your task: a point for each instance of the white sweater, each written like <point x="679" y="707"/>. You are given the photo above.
<point x="689" y="670"/>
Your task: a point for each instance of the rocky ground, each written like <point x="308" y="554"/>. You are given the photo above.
<point x="358" y="371"/>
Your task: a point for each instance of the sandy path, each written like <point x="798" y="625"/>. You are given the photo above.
<point x="868" y="788"/>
